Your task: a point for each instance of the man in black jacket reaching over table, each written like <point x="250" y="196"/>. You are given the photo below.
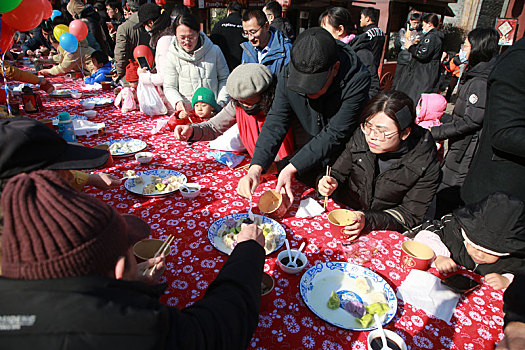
<point x="325" y="86"/>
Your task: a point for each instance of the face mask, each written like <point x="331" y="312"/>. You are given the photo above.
<point x="425" y="31"/>
<point x="463" y="56"/>
<point x="253" y="110"/>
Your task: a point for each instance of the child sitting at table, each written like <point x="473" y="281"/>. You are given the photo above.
<point x="487" y="237"/>
<point x="101" y="63"/>
<point x="126" y="98"/>
<point x="204" y="106"/>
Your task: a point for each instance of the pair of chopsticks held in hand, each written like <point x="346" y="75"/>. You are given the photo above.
<point x="328" y="172"/>
<point x="164" y="249"/>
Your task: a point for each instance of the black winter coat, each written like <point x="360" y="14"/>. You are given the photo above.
<point x="374" y="38"/>
<point x="464" y="127"/>
<point x="400" y="196"/>
<point x="421" y="74"/>
<point x="227" y="35"/>
<point x="95" y="28"/>
<point x="95" y="312"/>
<point x="499" y="162"/>
<point x="330" y="120"/>
<point x="367" y="58"/>
<point x="283" y="24"/>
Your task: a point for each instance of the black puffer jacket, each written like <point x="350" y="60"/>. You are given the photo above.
<point x="464" y="128"/>
<point x="421" y="74"/>
<point x="283" y="24"/>
<point x="366" y="56"/>
<point x="499" y="162"/>
<point x="92" y="19"/>
<point x="400" y="194"/>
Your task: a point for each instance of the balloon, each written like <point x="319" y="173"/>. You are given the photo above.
<point x="79" y="29"/>
<point x="55" y="13"/>
<point x="59" y="30"/>
<point x="48" y="10"/>
<point x="8" y="5"/>
<point x="25" y="16"/>
<point x="7" y="36"/>
<point x="160" y="2"/>
<point x="68" y="42"/>
<point x="143" y="50"/>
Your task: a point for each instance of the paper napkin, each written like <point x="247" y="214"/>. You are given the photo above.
<point x="424" y="290"/>
<point x="308" y="208"/>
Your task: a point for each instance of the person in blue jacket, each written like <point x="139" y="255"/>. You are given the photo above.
<point x="266" y="45"/>
<point x="101" y="61"/>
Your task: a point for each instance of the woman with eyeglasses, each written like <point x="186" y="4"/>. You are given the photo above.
<point x="388" y="172"/>
<point x="193" y="61"/>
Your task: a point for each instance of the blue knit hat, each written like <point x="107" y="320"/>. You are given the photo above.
<point x="205" y="95"/>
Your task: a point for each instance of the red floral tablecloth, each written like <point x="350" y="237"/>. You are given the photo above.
<point x="285" y="322"/>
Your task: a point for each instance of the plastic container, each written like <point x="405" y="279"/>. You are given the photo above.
<point x="65" y="127"/>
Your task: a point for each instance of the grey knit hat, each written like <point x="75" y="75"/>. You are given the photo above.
<point x="247" y="80"/>
<point x="53" y="231"/>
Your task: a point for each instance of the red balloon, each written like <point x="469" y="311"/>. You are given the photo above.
<point x="143" y="50"/>
<point x="160" y="2"/>
<point x="7" y="36"/>
<point x="48" y="9"/>
<point x="79" y="29"/>
<point x="25" y="16"/>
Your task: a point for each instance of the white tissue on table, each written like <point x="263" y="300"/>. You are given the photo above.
<point x="308" y="208"/>
<point x="230" y="141"/>
<point x="86" y="128"/>
<point x="89" y="87"/>
<point x="424" y="291"/>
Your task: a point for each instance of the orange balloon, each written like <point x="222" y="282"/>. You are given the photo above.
<point x="7" y="36"/>
<point x="25" y="16"/>
<point x="48" y="9"/>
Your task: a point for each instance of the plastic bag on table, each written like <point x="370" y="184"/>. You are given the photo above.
<point x="125" y="100"/>
<point x="150" y="102"/>
<point x="229" y="141"/>
<point x="229" y="159"/>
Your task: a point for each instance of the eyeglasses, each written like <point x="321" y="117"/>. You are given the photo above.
<point x="251" y="33"/>
<point x="367" y="129"/>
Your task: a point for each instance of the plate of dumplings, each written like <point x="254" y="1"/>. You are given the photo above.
<point x="154" y="183"/>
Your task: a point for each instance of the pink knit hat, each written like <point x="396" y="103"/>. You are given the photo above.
<point x="53" y="231"/>
<point x="431" y="107"/>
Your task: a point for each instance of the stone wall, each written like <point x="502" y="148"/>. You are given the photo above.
<point x="490" y="10"/>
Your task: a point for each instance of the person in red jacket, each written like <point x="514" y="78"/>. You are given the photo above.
<point x="204" y="107"/>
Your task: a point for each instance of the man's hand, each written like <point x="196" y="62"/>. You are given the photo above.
<point x="160" y="261"/>
<point x="497" y="281"/>
<point x="327" y="186"/>
<point x="284" y="181"/>
<point x="179" y="106"/>
<point x="183" y="132"/>
<point x="249" y="182"/>
<point x="445" y="265"/>
<point x="46" y="86"/>
<point x="45" y="72"/>
<point x="353" y="231"/>
<point x="142" y="70"/>
<point x="249" y="232"/>
<point x="103" y="181"/>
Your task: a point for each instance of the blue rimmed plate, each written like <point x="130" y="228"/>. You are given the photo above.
<point x="320" y="280"/>
<point x="99" y="101"/>
<point x="63" y="92"/>
<point x="137" y="187"/>
<point x="125" y="147"/>
<point x="218" y="243"/>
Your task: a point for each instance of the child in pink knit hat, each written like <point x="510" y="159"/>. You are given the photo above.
<point x="430" y="109"/>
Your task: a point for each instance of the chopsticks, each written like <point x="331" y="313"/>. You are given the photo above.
<point x="164" y="248"/>
<point x="328" y="172"/>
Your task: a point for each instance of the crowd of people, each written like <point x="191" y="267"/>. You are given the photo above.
<point x="298" y="103"/>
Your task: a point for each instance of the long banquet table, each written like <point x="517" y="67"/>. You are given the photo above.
<point x="285" y="322"/>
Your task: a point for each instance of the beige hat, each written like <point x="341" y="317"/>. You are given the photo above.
<point x="247" y="80"/>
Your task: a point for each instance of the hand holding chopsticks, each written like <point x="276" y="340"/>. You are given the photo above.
<point x="328" y="172"/>
<point x="163" y="250"/>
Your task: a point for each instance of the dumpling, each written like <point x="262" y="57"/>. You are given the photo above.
<point x="229" y="240"/>
<point x="130" y="174"/>
<point x="148" y="189"/>
<point x="172" y="187"/>
<point x="138" y="180"/>
<point x="155" y="179"/>
<point x="377" y="297"/>
<point x="361" y="285"/>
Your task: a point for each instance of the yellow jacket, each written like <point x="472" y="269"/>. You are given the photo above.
<point x="13" y="73"/>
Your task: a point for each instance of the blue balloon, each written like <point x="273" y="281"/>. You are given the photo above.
<point x="55" y="13"/>
<point x="68" y="42"/>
